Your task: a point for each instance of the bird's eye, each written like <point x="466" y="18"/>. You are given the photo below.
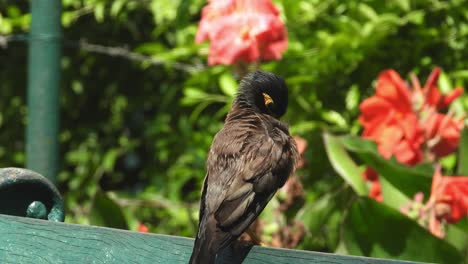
<point x="267" y="99"/>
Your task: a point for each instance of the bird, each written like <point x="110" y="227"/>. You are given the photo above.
<point x="250" y="158"/>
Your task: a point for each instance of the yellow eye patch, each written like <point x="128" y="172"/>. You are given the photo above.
<point x="267" y="99"/>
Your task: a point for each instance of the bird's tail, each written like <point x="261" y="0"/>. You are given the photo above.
<point x="209" y="241"/>
<point x="202" y="252"/>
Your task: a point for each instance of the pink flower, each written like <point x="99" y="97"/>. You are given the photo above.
<point x="242" y="30"/>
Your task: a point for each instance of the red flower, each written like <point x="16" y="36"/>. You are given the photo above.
<point x="449" y="199"/>
<point x="443" y="133"/>
<point x="376" y="191"/>
<point x="142" y="228"/>
<point x="370" y="174"/>
<point x="400" y="119"/>
<point x="242" y="30"/>
<point x="432" y="95"/>
<point x="388" y="119"/>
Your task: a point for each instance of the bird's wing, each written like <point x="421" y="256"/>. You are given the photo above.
<point x="250" y="178"/>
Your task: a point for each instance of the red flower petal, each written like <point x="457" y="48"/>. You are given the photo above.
<point x="373" y="108"/>
<point x="214" y="10"/>
<point x="389" y="138"/>
<point x="257" y="6"/>
<point x="433" y="97"/>
<point x="430" y="90"/>
<point x="452" y="191"/>
<point x="407" y="153"/>
<point x="443" y="133"/>
<point x="370" y="174"/>
<point x="242" y="30"/>
<point x="391" y="87"/>
<point x="142" y="228"/>
<point x="449" y="98"/>
<point x="376" y="191"/>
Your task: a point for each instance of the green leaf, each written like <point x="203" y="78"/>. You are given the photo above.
<point x="415" y="17"/>
<point x="375" y="230"/>
<point x="334" y="118"/>
<point x="445" y="85"/>
<point x="228" y="84"/>
<point x="392" y="196"/>
<point x="463" y="153"/>
<point x="109" y="159"/>
<point x="457" y="235"/>
<point x="343" y="164"/>
<point x="116" y="7"/>
<point x="325" y="213"/>
<point x="403" y="4"/>
<point x="409" y="180"/>
<point x="99" y="12"/>
<point x="352" y="98"/>
<point x="367" y="11"/>
<point x="193" y="95"/>
<point x="106" y="212"/>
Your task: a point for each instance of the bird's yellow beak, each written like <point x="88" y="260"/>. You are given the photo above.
<point x="267" y="99"/>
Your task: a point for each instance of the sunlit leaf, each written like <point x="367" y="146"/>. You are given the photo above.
<point x="408" y="180"/>
<point x="228" y="84"/>
<point x="463" y="153"/>
<point x="375" y="230"/>
<point x="343" y="164"/>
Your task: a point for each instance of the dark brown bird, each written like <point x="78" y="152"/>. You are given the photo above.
<point x="250" y="158"/>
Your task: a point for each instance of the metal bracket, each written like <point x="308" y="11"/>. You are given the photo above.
<point x="29" y="194"/>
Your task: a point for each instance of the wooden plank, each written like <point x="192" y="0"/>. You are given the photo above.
<point x="26" y="240"/>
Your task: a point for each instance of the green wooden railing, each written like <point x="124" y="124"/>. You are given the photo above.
<point x="26" y="198"/>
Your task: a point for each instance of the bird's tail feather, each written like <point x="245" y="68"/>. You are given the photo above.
<point x="202" y="253"/>
<point x="209" y="241"/>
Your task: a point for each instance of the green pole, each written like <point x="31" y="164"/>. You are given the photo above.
<point x="43" y="88"/>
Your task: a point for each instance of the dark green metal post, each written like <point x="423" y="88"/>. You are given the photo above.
<point x="43" y="88"/>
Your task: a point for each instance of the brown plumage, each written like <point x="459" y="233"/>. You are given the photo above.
<point x="250" y="158"/>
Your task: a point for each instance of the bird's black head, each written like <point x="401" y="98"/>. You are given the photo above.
<point x="264" y="92"/>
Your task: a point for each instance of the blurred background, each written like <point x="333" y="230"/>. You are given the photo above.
<point x="139" y="106"/>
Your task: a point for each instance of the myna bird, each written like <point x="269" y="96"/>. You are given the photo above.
<point x="249" y="159"/>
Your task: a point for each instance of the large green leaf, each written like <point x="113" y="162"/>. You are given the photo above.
<point x="323" y="217"/>
<point x="463" y="153"/>
<point x="343" y="164"/>
<point x="409" y="180"/>
<point x="457" y="235"/>
<point x="106" y="212"/>
<point x="392" y="196"/>
<point x="373" y="229"/>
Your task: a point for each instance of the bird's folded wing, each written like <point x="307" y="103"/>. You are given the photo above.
<point x="254" y="181"/>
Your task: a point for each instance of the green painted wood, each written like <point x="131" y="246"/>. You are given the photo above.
<point x="26" y="240"/>
<point x="26" y="193"/>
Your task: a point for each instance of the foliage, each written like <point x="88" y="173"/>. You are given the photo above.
<point x="135" y="134"/>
